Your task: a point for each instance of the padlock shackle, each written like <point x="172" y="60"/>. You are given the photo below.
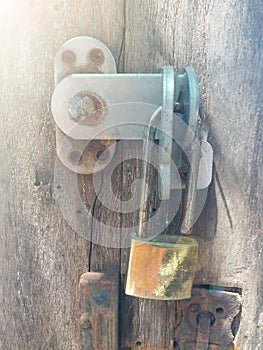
<point x="148" y="176"/>
<point x="186" y="84"/>
<point x="189" y="204"/>
<point x="147" y="170"/>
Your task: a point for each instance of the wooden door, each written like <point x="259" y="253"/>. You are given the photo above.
<point x="42" y="257"/>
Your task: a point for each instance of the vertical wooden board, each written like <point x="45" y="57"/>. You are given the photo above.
<point x="41" y="255"/>
<point x="222" y="41"/>
<point x="106" y="228"/>
<point x="234" y="83"/>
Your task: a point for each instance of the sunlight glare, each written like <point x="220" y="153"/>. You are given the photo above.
<point x="7" y="5"/>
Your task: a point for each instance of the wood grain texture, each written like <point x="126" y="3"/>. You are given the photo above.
<point x="222" y="40"/>
<point x="41" y="256"/>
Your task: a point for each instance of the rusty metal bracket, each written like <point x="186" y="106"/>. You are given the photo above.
<point x="93" y="107"/>
<point x="209" y="320"/>
<point x="99" y="298"/>
<point x="76" y="57"/>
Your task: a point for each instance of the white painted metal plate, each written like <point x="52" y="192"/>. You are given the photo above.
<point x="205" y="166"/>
<point x="74" y="57"/>
<point x="129" y="100"/>
<point x="205" y="169"/>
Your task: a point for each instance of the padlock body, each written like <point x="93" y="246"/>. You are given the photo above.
<point x="162" y="268"/>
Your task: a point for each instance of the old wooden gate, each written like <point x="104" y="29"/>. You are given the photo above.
<point x="41" y="256"/>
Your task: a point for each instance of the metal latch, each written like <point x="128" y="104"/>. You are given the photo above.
<point x="209" y="320"/>
<point x="93" y="107"/>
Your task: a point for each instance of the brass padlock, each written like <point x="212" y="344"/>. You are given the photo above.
<point x="163" y="267"/>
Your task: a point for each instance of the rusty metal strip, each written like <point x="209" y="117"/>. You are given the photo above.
<point x="99" y="311"/>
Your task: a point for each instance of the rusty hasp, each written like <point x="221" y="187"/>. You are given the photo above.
<point x="99" y="300"/>
<point x="91" y="101"/>
<point x="210" y="320"/>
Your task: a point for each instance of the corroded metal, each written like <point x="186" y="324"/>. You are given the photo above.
<point x="96" y="57"/>
<point x="162" y="268"/>
<point x="77" y="157"/>
<point x="147" y="171"/>
<point x="83" y="55"/>
<point x="99" y="311"/>
<point x="87" y="107"/>
<point x="208" y="320"/>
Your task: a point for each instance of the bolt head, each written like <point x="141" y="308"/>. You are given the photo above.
<point x="68" y="57"/>
<point x="86" y="107"/>
<point x="96" y="57"/>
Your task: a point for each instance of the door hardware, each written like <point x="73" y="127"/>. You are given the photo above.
<point x="209" y="321"/>
<point x="92" y="106"/>
<point x="163" y="267"/>
<point x="99" y="300"/>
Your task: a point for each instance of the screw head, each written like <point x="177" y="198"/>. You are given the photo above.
<point x="96" y="57"/>
<point x="86" y="107"/>
<point x="68" y="56"/>
<point x="75" y="156"/>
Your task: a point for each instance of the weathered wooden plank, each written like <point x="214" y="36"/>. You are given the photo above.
<point x="222" y="41"/>
<point x="41" y="255"/>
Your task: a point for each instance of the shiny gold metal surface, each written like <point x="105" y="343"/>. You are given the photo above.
<point x="162" y="268"/>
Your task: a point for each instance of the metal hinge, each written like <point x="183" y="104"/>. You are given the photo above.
<point x="93" y="107"/>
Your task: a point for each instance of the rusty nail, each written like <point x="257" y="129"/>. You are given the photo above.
<point x="96" y="56"/>
<point x="68" y="56"/>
